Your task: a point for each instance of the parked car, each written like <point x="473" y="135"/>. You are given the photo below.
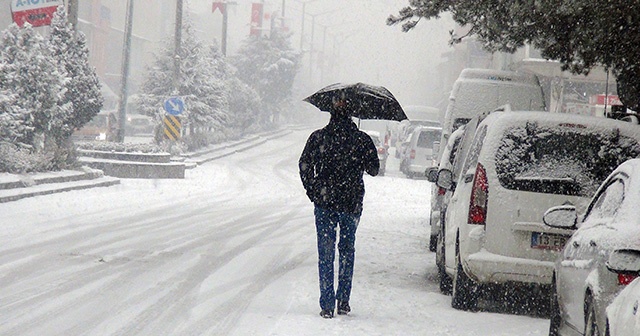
<point x="623" y="318"/>
<point x="438" y="193"/>
<point x="102" y="126"/>
<point x="466" y="139"/>
<point x="518" y="165"/>
<point x="479" y="90"/>
<point x="405" y="129"/>
<point x="138" y="124"/>
<point x="583" y="285"/>
<point x="419" y="152"/>
<point x="382" y="150"/>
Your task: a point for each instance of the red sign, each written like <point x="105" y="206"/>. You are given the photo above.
<point x="36" y="12"/>
<point x="599" y="99"/>
<point x="220" y="6"/>
<point x="256" y="19"/>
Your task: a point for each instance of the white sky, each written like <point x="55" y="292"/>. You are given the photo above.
<point x="366" y="49"/>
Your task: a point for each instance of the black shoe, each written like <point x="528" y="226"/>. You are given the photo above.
<point x="326" y="313"/>
<point x="343" y="307"/>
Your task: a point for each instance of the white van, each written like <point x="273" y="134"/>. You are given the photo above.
<point x="419" y="153"/>
<point x="482" y="90"/>
<point x="518" y="165"/>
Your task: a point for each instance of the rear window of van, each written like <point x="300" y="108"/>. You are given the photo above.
<point x="568" y="159"/>
<point x="427" y="138"/>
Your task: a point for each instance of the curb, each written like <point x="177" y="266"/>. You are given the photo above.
<point x="9" y="195"/>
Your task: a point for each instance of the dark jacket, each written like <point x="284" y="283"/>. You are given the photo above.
<point x="332" y="165"/>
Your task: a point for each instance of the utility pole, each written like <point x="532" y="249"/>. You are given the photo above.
<point x="178" y="43"/>
<point x="223" y="6"/>
<point x="225" y="23"/>
<point x="73" y="13"/>
<point x="126" y="53"/>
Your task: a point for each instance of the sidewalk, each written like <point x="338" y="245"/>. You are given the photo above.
<point x="14" y="187"/>
<point x="18" y="186"/>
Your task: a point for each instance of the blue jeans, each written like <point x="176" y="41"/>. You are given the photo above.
<point x="327" y="224"/>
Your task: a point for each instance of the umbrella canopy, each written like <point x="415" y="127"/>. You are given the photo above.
<point x="364" y="101"/>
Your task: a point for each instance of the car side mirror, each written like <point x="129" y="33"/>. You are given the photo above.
<point x="624" y="261"/>
<point x="562" y="217"/>
<point x="432" y="174"/>
<point x="445" y="179"/>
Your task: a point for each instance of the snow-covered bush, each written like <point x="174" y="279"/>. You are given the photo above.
<point x="18" y="160"/>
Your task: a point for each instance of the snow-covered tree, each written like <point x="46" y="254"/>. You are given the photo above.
<point x="28" y="71"/>
<point x="581" y="34"/>
<point x="199" y="84"/>
<point x="244" y="105"/>
<point x="268" y="65"/>
<point x="69" y="48"/>
<point x="14" y="121"/>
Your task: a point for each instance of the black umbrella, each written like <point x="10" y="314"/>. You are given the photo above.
<point x="364" y="101"/>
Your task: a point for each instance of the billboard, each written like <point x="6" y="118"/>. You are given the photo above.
<point x="36" y="12"/>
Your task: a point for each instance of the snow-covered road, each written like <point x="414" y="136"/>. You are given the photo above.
<point x="229" y="250"/>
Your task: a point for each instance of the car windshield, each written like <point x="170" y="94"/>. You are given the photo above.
<point x="567" y="160"/>
<point x="428" y="137"/>
<point x="99" y="120"/>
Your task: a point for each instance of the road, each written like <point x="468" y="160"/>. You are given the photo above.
<point x="229" y="250"/>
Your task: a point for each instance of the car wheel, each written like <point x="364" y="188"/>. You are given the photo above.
<point x="554" y="311"/>
<point x="591" y="325"/>
<point x="465" y="290"/>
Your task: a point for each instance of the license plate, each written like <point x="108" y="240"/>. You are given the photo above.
<point x="548" y="241"/>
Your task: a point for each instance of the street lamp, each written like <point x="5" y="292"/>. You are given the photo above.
<point x="313" y="23"/>
<point x="304" y="4"/>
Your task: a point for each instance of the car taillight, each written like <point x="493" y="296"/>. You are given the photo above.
<point x="442" y="191"/>
<point x="412" y="155"/>
<point x="625" y="279"/>
<point x="479" y="197"/>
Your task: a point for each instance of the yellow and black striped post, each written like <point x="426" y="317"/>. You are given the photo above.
<point x="172" y="127"/>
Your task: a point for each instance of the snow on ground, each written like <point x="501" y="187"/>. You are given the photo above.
<point x="229" y="250"/>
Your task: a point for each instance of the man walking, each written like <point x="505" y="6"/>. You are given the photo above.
<point x="332" y="165"/>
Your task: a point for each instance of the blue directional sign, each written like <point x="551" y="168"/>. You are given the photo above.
<point x="174" y="106"/>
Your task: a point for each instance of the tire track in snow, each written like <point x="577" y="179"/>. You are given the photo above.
<point x="227" y="315"/>
<point x="174" y="303"/>
<point x="85" y="277"/>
